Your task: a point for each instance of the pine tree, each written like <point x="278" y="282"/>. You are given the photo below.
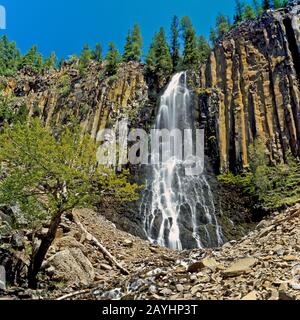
<point x="222" y="25"/>
<point x="97" y="53"/>
<point x="203" y="50"/>
<point x="51" y="62"/>
<point x="190" y="54"/>
<point x="266" y="5"/>
<point x="127" y="55"/>
<point x="159" y="60"/>
<point x="249" y="12"/>
<point x="239" y="12"/>
<point x="32" y="59"/>
<point x="137" y="43"/>
<point x="212" y="36"/>
<point x="258" y="8"/>
<point x="9" y="57"/>
<point x="175" y="45"/>
<point x="133" y="45"/>
<point x="112" y="59"/>
<point x="85" y="57"/>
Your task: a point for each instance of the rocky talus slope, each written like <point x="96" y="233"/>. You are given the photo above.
<point x="265" y="265"/>
<point x="251" y="90"/>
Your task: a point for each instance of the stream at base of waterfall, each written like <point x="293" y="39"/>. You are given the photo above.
<point x="178" y="209"/>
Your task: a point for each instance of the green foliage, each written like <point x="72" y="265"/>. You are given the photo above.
<point x="266" y="5"/>
<point x="213" y="36"/>
<point x="274" y="186"/>
<point x="32" y="59"/>
<point x="203" y="50"/>
<point x="249" y="13"/>
<point x="9" y="114"/>
<point x="175" y="44"/>
<point x="47" y="176"/>
<point x="133" y="45"/>
<point x="137" y="43"/>
<point x="159" y="60"/>
<point x="277" y="4"/>
<point x="190" y="54"/>
<point x="127" y="55"/>
<point x="239" y="12"/>
<point x="85" y="58"/>
<point x="97" y="53"/>
<point x="51" y="62"/>
<point x="257" y="8"/>
<point x="223" y="25"/>
<point x="112" y="60"/>
<point x="9" y="57"/>
<point x="64" y="84"/>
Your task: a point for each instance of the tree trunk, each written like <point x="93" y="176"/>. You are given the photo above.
<point x="39" y="256"/>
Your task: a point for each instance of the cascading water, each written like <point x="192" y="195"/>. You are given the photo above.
<point x="178" y="209"/>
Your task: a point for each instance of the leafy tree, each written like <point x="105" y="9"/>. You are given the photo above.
<point x="112" y="59"/>
<point x="127" y="55"/>
<point x="47" y="177"/>
<point x="159" y="60"/>
<point x="266" y="5"/>
<point x="51" y="62"/>
<point x="249" y="12"/>
<point x="175" y="45"/>
<point x="190" y="54"/>
<point x="239" y="12"/>
<point x="222" y="25"/>
<point x="9" y="57"/>
<point x="203" y="50"/>
<point x="97" y="53"/>
<point x="32" y="59"/>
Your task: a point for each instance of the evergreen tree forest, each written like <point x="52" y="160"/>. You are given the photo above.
<point x="178" y="48"/>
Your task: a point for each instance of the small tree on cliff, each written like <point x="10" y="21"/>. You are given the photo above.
<point x="113" y="58"/>
<point x="137" y="43"/>
<point x="249" y="12"/>
<point x="133" y="45"/>
<point x="222" y="25"/>
<point x="97" y="53"/>
<point x="257" y="8"/>
<point x="47" y="177"/>
<point x="128" y="48"/>
<point x="33" y="59"/>
<point x="51" y="62"/>
<point x="239" y="12"/>
<point x="266" y="5"/>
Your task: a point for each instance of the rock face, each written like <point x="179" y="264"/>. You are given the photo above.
<point x="93" y="99"/>
<point x="251" y="91"/>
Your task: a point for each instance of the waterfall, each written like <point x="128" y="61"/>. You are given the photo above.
<point x="178" y="209"/>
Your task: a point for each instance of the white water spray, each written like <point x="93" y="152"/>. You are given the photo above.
<point x="178" y="209"/>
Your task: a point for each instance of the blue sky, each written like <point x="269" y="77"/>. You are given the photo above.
<point x="64" y="26"/>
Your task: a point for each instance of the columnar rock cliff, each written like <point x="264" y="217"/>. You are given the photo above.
<point x="93" y="99"/>
<point x="252" y="89"/>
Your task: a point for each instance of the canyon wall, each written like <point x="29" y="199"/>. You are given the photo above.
<point x="251" y="90"/>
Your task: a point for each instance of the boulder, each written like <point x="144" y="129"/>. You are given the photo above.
<point x="72" y="266"/>
<point x="239" y="267"/>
